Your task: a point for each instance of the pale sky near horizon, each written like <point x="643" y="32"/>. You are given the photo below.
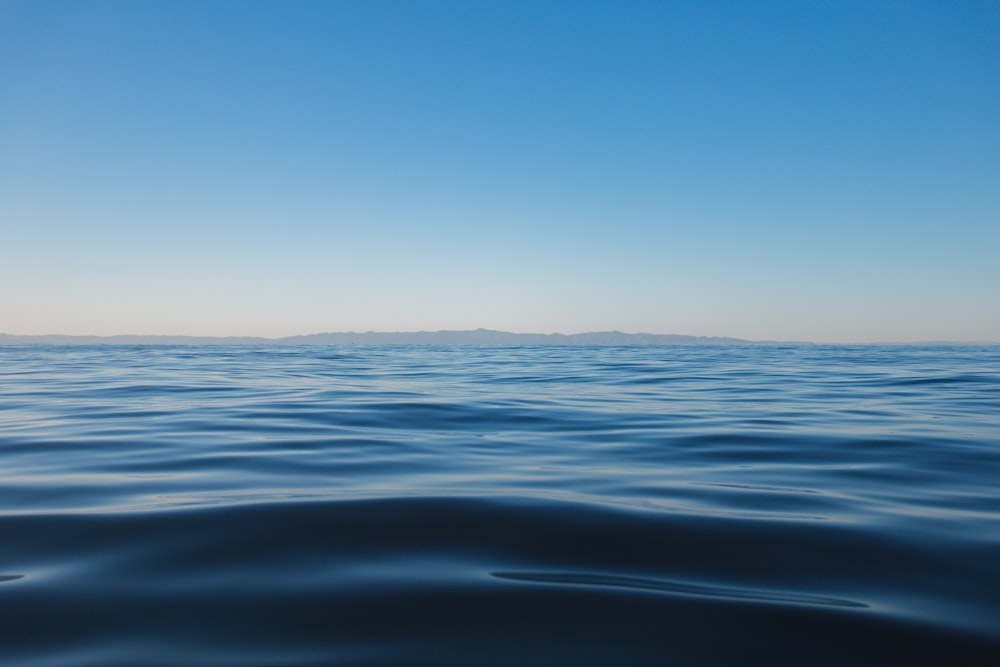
<point x="824" y="171"/>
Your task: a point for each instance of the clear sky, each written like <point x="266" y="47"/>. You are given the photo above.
<point x="823" y="171"/>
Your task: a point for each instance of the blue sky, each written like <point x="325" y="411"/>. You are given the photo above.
<point x="823" y="171"/>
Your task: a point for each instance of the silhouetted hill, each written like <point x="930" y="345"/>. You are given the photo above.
<point x="491" y="337"/>
<point x="475" y="337"/>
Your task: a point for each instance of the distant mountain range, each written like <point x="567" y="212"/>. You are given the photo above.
<point x="475" y="337"/>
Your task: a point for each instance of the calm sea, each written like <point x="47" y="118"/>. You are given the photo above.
<point x="522" y="506"/>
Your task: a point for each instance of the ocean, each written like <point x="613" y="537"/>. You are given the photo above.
<point x="488" y="506"/>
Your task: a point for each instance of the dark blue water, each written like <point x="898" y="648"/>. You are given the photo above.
<point x="783" y="505"/>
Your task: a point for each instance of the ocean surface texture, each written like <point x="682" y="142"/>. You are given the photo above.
<point x="487" y="506"/>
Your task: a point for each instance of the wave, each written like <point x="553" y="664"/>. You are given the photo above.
<point x="507" y="506"/>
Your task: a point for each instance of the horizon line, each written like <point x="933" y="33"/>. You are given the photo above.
<point x="246" y="339"/>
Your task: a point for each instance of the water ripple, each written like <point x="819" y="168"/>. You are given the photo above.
<point x="684" y="588"/>
<point x="822" y="505"/>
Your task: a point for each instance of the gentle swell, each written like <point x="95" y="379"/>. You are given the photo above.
<point x="785" y="505"/>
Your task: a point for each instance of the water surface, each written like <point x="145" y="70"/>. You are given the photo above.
<point x="779" y="505"/>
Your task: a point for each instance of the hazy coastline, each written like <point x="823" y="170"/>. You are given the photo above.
<point x="442" y="337"/>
